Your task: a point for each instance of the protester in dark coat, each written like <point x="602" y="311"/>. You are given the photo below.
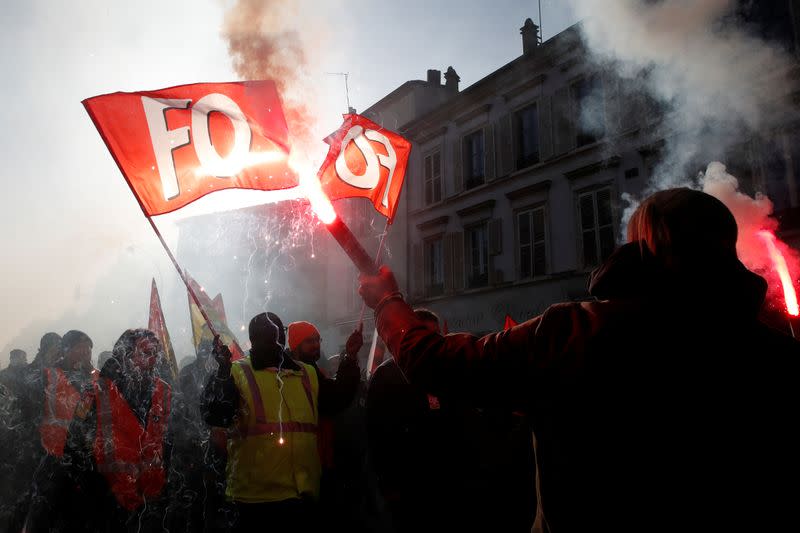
<point x="118" y="448"/>
<point x="198" y="465"/>
<point x="13" y="376"/>
<point x="25" y="455"/>
<point x="662" y="405"/>
<point x="414" y="447"/>
<point x="11" y="421"/>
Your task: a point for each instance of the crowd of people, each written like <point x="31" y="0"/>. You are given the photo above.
<point x="662" y="403"/>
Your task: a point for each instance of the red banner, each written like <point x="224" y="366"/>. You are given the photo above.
<point x="175" y="145"/>
<point x="365" y="160"/>
<point x="158" y="325"/>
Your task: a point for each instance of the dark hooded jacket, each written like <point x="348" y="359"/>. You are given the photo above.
<point x="663" y="404"/>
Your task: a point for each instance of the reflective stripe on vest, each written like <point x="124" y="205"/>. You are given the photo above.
<point x="262" y="427"/>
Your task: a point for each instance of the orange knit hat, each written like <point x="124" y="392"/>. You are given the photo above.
<point x="300" y="331"/>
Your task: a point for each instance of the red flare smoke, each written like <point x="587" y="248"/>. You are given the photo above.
<point x="779" y="262"/>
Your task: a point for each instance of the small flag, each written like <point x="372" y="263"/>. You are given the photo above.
<point x="216" y="312"/>
<point x="158" y="325"/>
<point x="365" y="160"/>
<point x="509" y="323"/>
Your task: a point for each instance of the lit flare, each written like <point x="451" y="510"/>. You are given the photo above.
<point x="779" y="262"/>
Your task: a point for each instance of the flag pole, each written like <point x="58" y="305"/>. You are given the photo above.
<point x="377" y="259"/>
<point x="183" y="277"/>
<point x="371" y="357"/>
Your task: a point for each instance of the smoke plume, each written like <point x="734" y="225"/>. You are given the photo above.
<point x="266" y="41"/>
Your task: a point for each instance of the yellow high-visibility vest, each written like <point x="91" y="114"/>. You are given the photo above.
<point x="272" y="447"/>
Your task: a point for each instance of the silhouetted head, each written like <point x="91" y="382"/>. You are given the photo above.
<point x="429" y="318"/>
<point x="264" y="335"/>
<point x="76" y="350"/>
<point x="204" y="349"/>
<point x="49" y="348"/>
<point x="682" y="227"/>
<point x="102" y="358"/>
<point x="17" y="357"/>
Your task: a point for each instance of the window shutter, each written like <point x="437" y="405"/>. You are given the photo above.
<point x="588" y="233"/>
<point x="437" y="175"/>
<point x="418" y="270"/>
<point x="458" y="167"/>
<point x="563" y="123"/>
<point x="505" y="150"/>
<point x="612" y="104"/>
<point x="447" y="252"/>
<point x="545" y="129"/>
<point x="496" y="236"/>
<point x="539" y="241"/>
<point x="489" y="152"/>
<point x="604" y="212"/>
<point x="458" y="261"/>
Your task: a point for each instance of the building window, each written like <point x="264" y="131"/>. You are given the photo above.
<point x="532" y="243"/>
<point x="434" y="267"/>
<point x="526" y="123"/>
<point x="597" y="226"/>
<point x="589" y="106"/>
<point x="433" y="178"/>
<point x="476" y="244"/>
<point x="473" y="159"/>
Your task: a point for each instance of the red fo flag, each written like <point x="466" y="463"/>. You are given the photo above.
<point x="176" y="145"/>
<point x="509" y="323"/>
<point x="365" y="160"/>
<point x="157" y="325"/>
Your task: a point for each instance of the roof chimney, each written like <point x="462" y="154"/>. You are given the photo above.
<point x="434" y="77"/>
<point x="451" y="80"/>
<point x="530" y="36"/>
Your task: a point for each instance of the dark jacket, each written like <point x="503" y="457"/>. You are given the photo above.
<point x="663" y="404"/>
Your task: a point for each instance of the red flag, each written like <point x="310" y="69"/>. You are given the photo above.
<point x="176" y="145"/>
<point x="365" y="160"/>
<point x="158" y="325"/>
<point x="216" y="313"/>
<point x="509" y="323"/>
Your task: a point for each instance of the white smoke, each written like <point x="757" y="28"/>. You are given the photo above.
<point x="717" y="81"/>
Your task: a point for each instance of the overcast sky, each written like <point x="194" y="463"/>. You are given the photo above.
<point x="77" y="252"/>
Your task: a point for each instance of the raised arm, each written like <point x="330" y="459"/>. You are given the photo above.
<point x="490" y="370"/>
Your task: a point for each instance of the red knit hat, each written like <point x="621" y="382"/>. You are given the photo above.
<point x="300" y="331"/>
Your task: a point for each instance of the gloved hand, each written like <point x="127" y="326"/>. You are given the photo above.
<point x="223" y="357"/>
<point x="355" y="341"/>
<point x="374" y="289"/>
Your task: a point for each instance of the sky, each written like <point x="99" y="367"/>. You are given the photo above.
<point x="77" y="252"/>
